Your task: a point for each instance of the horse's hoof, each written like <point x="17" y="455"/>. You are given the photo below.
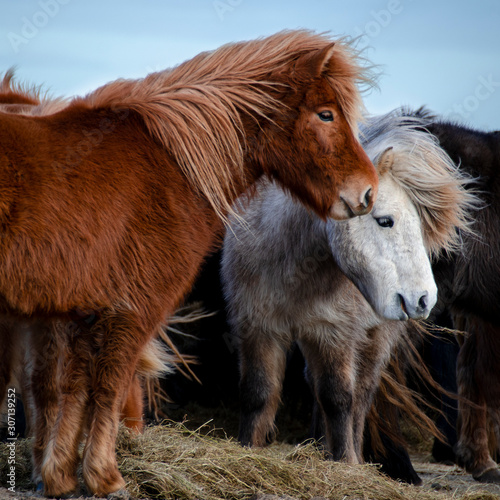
<point x="489" y="476"/>
<point x="72" y="494"/>
<point x="121" y="494"/>
<point x="75" y="493"/>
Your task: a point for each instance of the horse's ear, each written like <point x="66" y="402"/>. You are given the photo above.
<point x="315" y="62"/>
<point x="384" y="161"/>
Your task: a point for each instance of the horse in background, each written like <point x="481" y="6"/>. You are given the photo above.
<point x="469" y="291"/>
<point x="341" y="289"/>
<point x="112" y="203"/>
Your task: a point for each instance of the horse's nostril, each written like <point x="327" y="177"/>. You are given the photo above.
<point x="367" y="198"/>
<point x="402" y="304"/>
<point x="422" y="302"/>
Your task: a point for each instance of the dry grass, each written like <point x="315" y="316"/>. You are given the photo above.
<point x="171" y="461"/>
<point x="174" y="462"/>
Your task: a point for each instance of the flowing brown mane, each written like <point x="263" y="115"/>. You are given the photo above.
<point x="197" y="109"/>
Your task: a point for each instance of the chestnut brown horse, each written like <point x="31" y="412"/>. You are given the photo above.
<point x="112" y="203"/>
<point x="21" y="362"/>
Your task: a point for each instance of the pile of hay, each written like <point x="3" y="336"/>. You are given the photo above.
<point x="173" y="462"/>
<point x="170" y="461"/>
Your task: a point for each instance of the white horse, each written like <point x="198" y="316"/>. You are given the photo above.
<point x="339" y="289"/>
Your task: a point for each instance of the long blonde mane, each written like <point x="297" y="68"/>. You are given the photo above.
<point x="195" y="110"/>
<point x="434" y="183"/>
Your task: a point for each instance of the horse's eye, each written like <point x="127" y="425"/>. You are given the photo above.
<point x="326" y="116"/>
<point x="385" y="221"/>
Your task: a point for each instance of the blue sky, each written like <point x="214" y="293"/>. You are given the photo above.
<point x="440" y="53"/>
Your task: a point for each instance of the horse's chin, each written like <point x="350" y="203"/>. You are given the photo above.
<point x="394" y="313"/>
<point x="394" y="310"/>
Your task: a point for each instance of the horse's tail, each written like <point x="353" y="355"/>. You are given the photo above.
<point x="161" y="357"/>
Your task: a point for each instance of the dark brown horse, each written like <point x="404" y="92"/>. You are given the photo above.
<point x="112" y="203"/>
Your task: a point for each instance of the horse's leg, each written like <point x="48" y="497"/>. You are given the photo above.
<point x="13" y="343"/>
<point x="371" y="358"/>
<point x="61" y="454"/>
<point x="133" y="408"/>
<point x="262" y="368"/>
<point x="42" y="390"/>
<point x="333" y="379"/>
<point x="478" y="382"/>
<point x="123" y="337"/>
<point x="392" y="455"/>
<point x="317" y="427"/>
<point x="440" y="353"/>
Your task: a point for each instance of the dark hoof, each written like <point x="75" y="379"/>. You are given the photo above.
<point x="416" y="480"/>
<point x="490" y="476"/>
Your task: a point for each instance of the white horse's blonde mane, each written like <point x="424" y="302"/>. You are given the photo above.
<point x="424" y="170"/>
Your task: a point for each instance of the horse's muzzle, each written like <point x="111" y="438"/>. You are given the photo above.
<point x="353" y="204"/>
<point x="418" y="307"/>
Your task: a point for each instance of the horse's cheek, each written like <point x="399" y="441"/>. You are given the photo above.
<point x="323" y="137"/>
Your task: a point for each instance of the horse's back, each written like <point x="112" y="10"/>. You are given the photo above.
<point x="82" y="187"/>
<point x="475" y="151"/>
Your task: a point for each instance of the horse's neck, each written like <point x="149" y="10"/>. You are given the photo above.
<point x="303" y="233"/>
<point x="312" y="282"/>
<point x="300" y="244"/>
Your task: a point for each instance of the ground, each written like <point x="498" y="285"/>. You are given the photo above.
<point x="449" y="480"/>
